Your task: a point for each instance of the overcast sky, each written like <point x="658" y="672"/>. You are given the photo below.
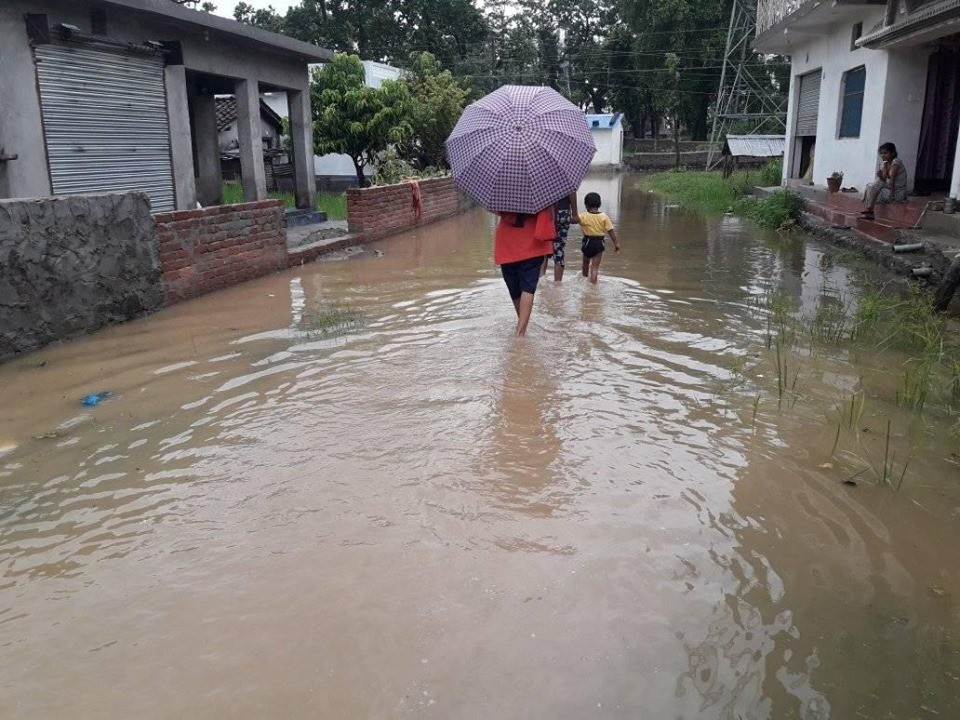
<point x="225" y="7"/>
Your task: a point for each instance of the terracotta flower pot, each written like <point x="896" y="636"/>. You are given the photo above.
<point x="833" y="184"/>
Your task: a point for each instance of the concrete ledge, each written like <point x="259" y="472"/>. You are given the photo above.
<point x="932" y="256"/>
<point x="311" y="251"/>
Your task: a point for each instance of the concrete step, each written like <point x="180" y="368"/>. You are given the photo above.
<point x="297" y="217"/>
<point x="877" y="228"/>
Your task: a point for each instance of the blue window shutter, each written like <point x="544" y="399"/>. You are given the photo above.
<point x="851" y="112"/>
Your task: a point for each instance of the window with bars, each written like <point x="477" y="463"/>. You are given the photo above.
<point x="851" y="107"/>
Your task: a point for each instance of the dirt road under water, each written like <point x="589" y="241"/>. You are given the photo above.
<point x="425" y="517"/>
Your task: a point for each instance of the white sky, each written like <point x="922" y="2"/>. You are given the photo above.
<point x="225" y="7"/>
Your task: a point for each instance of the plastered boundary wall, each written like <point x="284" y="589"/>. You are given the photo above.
<point x="70" y="265"/>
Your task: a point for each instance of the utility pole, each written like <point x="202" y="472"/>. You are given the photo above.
<point x="745" y="93"/>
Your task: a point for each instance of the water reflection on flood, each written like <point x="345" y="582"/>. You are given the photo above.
<point x="425" y="516"/>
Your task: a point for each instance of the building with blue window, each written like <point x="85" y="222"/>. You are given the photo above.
<point x="865" y="73"/>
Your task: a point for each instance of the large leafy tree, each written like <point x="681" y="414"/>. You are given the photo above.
<point x="695" y="32"/>
<point x="356" y="120"/>
<point x="436" y="102"/>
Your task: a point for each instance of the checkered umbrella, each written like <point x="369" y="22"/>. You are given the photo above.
<point x="520" y="149"/>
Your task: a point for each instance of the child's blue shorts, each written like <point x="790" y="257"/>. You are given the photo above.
<point x="522" y="276"/>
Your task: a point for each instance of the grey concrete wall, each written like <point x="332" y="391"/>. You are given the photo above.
<point x="70" y="265"/>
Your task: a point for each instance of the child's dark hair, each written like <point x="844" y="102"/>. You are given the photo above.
<point x="519" y="219"/>
<point x="592" y="200"/>
<point x="889" y="147"/>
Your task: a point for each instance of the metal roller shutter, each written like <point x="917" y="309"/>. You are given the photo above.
<point x="808" y="106"/>
<point x="105" y="122"/>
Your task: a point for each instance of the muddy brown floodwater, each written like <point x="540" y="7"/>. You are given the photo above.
<point x="425" y="517"/>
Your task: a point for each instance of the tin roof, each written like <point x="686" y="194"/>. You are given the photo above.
<point x="755" y="145"/>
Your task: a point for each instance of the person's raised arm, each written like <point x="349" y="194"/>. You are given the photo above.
<point x="574" y="214"/>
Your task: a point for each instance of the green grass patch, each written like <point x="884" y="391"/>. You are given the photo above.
<point x="333" y="204"/>
<point x="709" y="193"/>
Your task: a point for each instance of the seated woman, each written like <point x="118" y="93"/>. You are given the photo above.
<point x="891" y="184"/>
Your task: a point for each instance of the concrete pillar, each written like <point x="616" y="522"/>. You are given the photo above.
<point x="209" y="176"/>
<point x="301" y="138"/>
<point x="181" y="149"/>
<point x="250" y="137"/>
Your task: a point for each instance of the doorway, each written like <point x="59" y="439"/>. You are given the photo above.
<point x="941" y="121"/>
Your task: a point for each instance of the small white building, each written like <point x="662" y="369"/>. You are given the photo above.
<point x="335" y="171"/>
<point x="863" y="74"/>
<point x="607" y="131"/>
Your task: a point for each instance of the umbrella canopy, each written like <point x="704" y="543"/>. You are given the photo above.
<point x="520" y="149"/>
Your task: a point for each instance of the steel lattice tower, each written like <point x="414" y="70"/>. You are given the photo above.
<point x="744" y="94"/>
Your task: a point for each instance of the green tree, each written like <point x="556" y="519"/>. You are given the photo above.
<point x="268" y="19"/>
<point x="669" y="97"/>
<point x="696" y="32"/>
<point x="353" y="119"/>
<point x="437" y="100"/>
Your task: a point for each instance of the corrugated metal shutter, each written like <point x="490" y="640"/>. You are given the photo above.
<point x="105" y="122"/>
<point x="808" y="105"/>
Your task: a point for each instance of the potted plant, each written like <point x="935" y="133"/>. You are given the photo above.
<point x="835" y="181"/>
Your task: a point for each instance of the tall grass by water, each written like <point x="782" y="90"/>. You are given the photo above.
<point x="920" y="372"/>
<point x="333" y="204"/>
<point x="709" y="193"/>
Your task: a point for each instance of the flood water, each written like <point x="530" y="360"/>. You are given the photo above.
<point x="426" y="517"/>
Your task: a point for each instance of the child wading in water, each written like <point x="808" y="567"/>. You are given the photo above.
<point x="595" y="226"/>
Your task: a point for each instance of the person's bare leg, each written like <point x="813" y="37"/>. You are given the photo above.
<point x="557" y="272"/>
<point x="586" y="266"/>
<point x="524" y="309"/>
<point x="595" y="268"/>
<point x="516" y="305"/>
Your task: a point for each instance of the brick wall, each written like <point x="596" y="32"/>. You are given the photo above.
<point x="208" y="249"/>
<point x="380" y="211"/>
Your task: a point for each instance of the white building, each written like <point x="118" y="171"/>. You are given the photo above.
<point x="607" y="131"/>
<point x="334" y="171"/>
<point x="863" y="74"/>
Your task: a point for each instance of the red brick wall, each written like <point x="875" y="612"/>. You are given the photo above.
<point x="381" y="211"/>
<point x="213" y="248"/>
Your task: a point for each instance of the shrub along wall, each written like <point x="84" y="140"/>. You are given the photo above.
<point x="377" y="212"/>
<point x="70" y="265"/>
<point x="213" y="248"/>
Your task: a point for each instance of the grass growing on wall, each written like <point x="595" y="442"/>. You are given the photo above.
<point x="333" y="204"/>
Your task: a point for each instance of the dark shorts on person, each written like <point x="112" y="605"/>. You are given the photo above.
<point x="592" y="245"/>
<point x="522" y="276"/>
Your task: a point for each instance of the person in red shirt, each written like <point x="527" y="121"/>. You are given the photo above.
<point x="518" y="249"/>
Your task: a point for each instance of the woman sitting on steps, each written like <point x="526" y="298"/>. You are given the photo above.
<point x="891" y="184"/>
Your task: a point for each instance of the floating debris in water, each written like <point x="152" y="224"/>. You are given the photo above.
<point x="332" y="321"/>
<point x="94" y="399"/>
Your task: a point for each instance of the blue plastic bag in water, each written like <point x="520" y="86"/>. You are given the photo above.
<point x="94" y="400"/>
